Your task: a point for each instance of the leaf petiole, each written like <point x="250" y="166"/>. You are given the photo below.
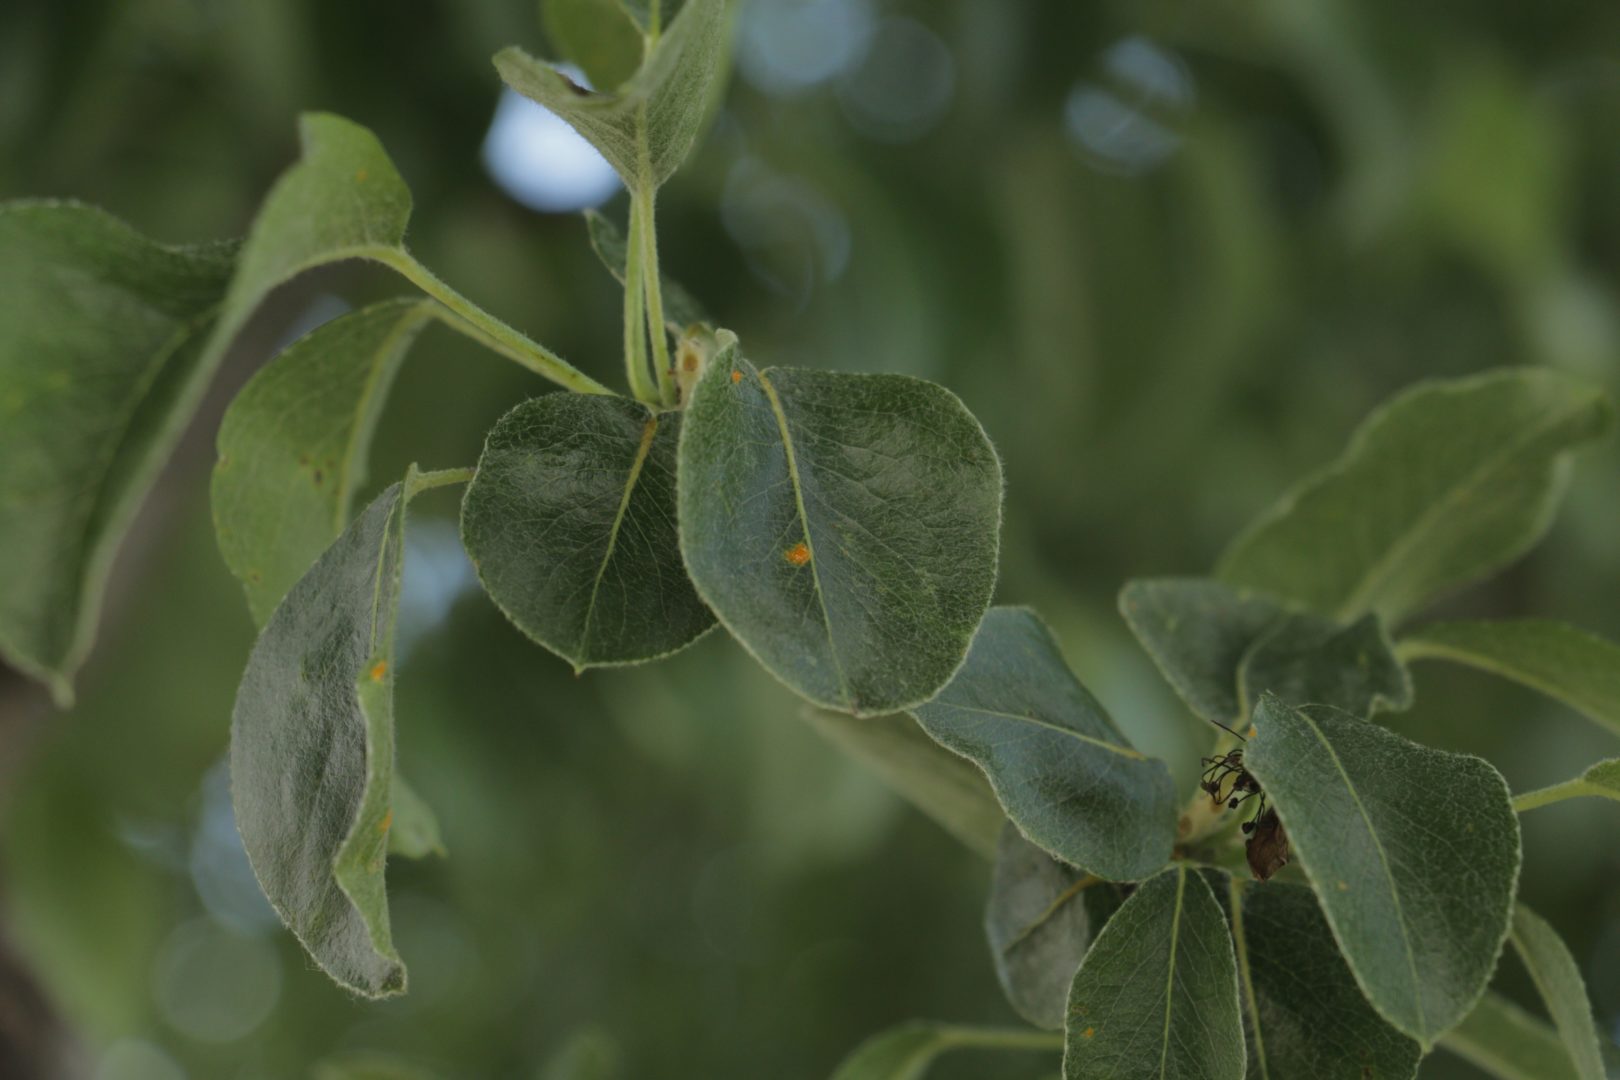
<point x="635" y="334"/>
<point x="437" y="478"/>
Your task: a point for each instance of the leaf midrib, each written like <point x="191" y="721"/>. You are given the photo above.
<point x="1170" y="975"/>
<point x="643" y="450"/>
<point x="1123" y="751"/>
<point x="1356" y="602"/>
<point x="804" y="523"/>
<point x="1240" y="946"/>
<point x="1383" y="859"/>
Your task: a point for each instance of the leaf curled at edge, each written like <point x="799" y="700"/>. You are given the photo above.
<point x="1447" y="483"/>
<point x="1566" y="663"/>
<point x="598" y="35"/>
<point x="1308" y="660"/>
<point x="104" y="354"/>
<point x="570" y="522"/>
<point x="312" y="750"/>
<point x="647" y="126"/>
<point x="293" y="445"/>
<point x="1065" y="775"/>
<point x="1558" y="981"/>
<point x="844" y="528"/>
<point x="1156" y="997"/>
<point x="1508" y="1043"/>
<point x="1414" y="853"/>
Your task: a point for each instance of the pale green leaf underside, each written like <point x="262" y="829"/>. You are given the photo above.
<point x="1197" y="630"/>
<point x="646" y="127"/>
<point x="843" y="527"/>
<point x="905" y="1052"/>
<point x="1559" y="982"/>
<point x="1309" y="660"/>
<point x="934" y="780"/>
<point x="1156" y="998"/>
<point x="293" y="446"/>
<point x="1564" y="662"/>
<point x="570" y="522"/>
<point x="102" y="361"/>
<point x="1037" y="926"/>
<point x="1305" y="1015"/>
<point x="1065" y="775"/>
<point x="1413" y="851"/>
<point x="597" y="35"/>
<point x="681" y="309"/>
<point x="312" y="751"/>
<point x="1444" y="485"/>
<point x="413" y="832"/>
<point x="1508" y="1043"/>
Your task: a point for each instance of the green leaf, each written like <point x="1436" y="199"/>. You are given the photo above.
<point x="1413" y="851"/>
<point x="1445" y="485"/>
<point x="1157" y="996"/>
<point x="102" y="362"/>
<point x="681" y="309"/>
<point x="1038" y="928"/>
<point x="598" y="35"/>
<point x="1309" y="660"/>
<point x="906" y="1052"/>
<point x="1559" y="982"/>
<point x="647" y="126"/>
<point x="1564" y="662"/>
<point x="843" y="527"/>
<point x="1305" y="1016"/>
<point x="414" y="828"/>
<point x="931" y="778"/>
<point x="1197" y="631"/>
<point x="1067" y="778"/>
<point x="570" y="521"/>
<point x="293" y="446"/>
<point x="1510" y="1044"/>
<point x="312" y="750"/>
<point x="1601" y="780"/>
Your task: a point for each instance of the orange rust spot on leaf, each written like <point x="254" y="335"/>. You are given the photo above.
<point x="360" y="177"/>
<point x="736" y="376"/>
<point x="378" y="670"/>
<point x="1088" y="1033"/>
<point x="388" y="819"/>
<point x="798" y="554"/>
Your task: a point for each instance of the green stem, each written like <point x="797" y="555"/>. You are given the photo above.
<point x="1002" y="1038"/>
<point x="645" y="198"/>
<point x="463" y="315"/>
<point x="1569" y="789"/>
<point x="635" y="332"/>
<point x="437" y="478"/>
<point x="654" y="26"/>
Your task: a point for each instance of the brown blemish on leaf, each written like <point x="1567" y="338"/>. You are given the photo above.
<point x="798" y="554"/>
<point x="388" y="819"/>
<point x="378" y="670"/>
<point x="360" y="177"/>
<point x="1088" y="1033"/>
<point x="319" y="476"/>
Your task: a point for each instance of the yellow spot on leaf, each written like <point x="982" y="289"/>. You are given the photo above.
<point x="360" y="177"/>
<point x="798" y="554"/>
<point x="1253" y="731"/>
<point x="388" y="819"/>
<point x="378" y="670"/>
<point x="1343" y="887"/>
<point x="1088" y="1033"/>
<point x="736" y="376"/>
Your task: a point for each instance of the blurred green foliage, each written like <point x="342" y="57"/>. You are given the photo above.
<point x="1168" y="254"/>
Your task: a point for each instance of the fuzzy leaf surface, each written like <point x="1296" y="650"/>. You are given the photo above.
<point x="1038" y="928"/>
<point x="570" y="521"/>
<point x="1157" y="996"/>
<point x="312" y="751"/>
<point x="925" y="774"/>
<point x="843" y="527"/>
<point x="1308" y="660"/>
<point x="1198" y="630"/>
<point x="102" y="362"/>
<point x="1065" y="775"/>
<point x="1414" y="853"/>
<point x="1559" y="982"/>
<point x="645" y="127"/>
<point x="1564" y="662"/>
<point x="1303" y="1012"/>
<point x="294" y="443"/>
<point x="1444" y="485"/>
